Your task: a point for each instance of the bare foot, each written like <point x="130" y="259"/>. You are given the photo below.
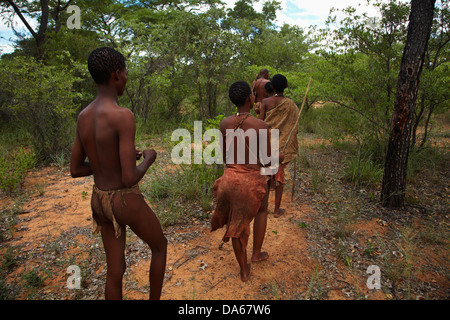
<point x="260" y="257"/>
<point x="245" y="274"/>
<point x="279" y="213"/>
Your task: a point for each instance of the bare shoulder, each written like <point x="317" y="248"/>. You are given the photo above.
<point x="266" y="99"/>
<point x="226" y="123"/>
<point x="259" y="124"/>
<point x="85" y="114"/>
<point x="126" y="113"/>
<point x="124" y="119"/>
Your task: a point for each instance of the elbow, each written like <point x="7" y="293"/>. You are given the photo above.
<point x="74" y="173"/>
<point x="128" y="181"/>
<point x="80" y="171"/>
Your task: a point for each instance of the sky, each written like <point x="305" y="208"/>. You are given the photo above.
<point x="306" y="13"/>
<point x="303" y="13"/>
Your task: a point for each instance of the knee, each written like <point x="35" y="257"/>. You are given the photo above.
<point x="164" y="244"/>
<point x="160" y="247"/>
<point x="262" y="211"/>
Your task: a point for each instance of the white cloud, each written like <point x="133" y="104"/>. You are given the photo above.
<point x="312" y="12"/>
<point x="7" y="36"/>
<point x="316" y="12"/>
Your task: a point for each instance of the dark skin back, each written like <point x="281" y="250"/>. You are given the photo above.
<point x="259" y="89"/>
<point x="105" y="135"/>
<point x="249" y="123"/>
<point x="269" y="103"/>
<point x="260" y="221"/>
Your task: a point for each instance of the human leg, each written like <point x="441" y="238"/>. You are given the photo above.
<point x="259" y="231"/>
<point x="241" y="256"/>
<point x="144" y="223"/>
<point x="149" y="230"/>
<point x="115" y="261"/>
<point x="278" y="196"/>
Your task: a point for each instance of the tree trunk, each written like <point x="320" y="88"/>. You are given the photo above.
<point x="395" y="168"/>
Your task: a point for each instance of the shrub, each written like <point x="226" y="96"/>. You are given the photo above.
<point x="14" y="168"/>
<point x="362" y="171"/>
<point x="41" y="99"/>
<point x="188" y="186"/>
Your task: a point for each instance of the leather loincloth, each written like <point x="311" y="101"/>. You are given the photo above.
<point x="102" y="207"/>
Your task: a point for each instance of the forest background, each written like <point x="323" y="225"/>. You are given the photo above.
<point x="182" y="56"/>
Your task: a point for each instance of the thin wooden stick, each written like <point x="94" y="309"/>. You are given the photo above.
<point x="301" y="109"/>
<point x="290" y="134"/>
<point x="293" y="181"/>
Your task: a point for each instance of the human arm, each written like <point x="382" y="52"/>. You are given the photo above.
<point x="262" y="111"/>
<point x="223" y="142"/>
<point x="131" y="174"/>
<point x="78" y="166"/>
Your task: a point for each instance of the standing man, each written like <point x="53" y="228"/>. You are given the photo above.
<point x="258" y="88"/>
<point x="105" y="135"/>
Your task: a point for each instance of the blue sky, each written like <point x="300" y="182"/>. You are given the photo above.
<point x="295" y="12"/>
<point x="5" y="34"/>
<point x="315" y="12"/>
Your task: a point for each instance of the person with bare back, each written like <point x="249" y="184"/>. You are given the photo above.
<point x="241" y="192"/>
<point x="259" y="89"/>
<point x="106" y="137"/>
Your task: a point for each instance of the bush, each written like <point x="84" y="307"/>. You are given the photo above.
<point x="427" y="158"/>
<point x="362" y="171"/>
<point x="188" y="186"/>
<point x="14" y="168"/>
<point x="41" y="99"/>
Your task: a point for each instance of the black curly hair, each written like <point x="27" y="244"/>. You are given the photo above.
<point x="104" y="61"/>
<point x="238" y="92"/>
<point x="269" y="87"/>
<point x="279" y="82"/>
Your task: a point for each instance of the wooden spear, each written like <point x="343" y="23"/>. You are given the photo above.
<point x="290" y="134"/>
<point x="301" y="109"/>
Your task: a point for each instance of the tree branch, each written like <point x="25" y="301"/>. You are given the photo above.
<point x="25" y="22"/>
<point x="362" y="114"/>
<point x="66" y="5"/>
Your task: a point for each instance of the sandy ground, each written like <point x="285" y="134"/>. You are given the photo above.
<point x="53" y="231"/>
<point x="198" y="266"/>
